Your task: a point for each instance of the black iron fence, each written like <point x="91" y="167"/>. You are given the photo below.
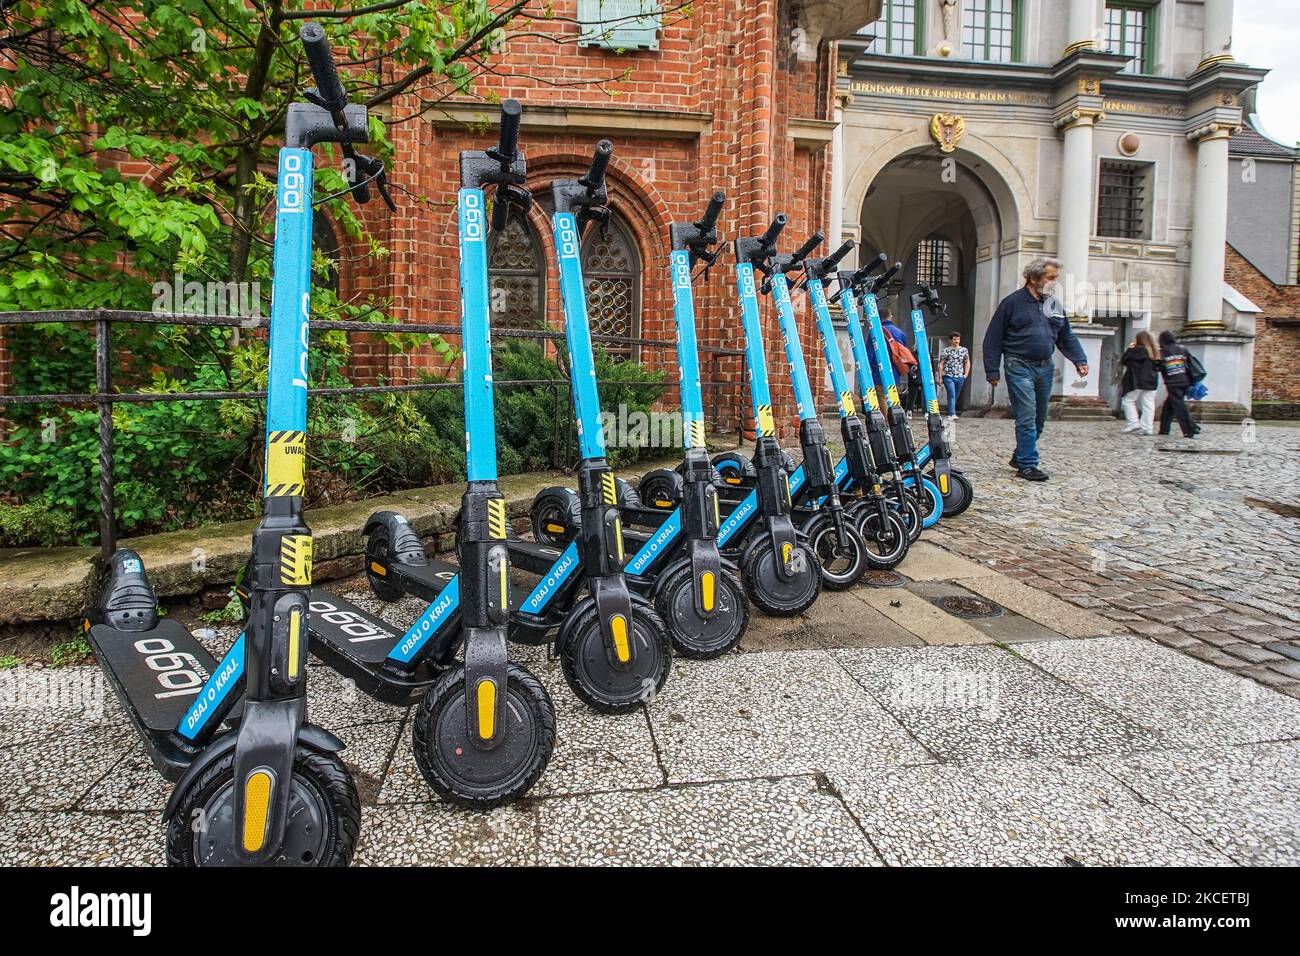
<point x="719" y="393"/>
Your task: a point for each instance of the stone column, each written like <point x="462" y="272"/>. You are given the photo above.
<point x="837" y="171"/>
<point x="1075" y="230"/>
<point x="1082" y="25"/>
<point x="1209" y="226"/>
<point x="1217" y="39"/>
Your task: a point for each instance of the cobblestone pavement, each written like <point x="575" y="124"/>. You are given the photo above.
<point x="1078" y="726"/>
<point x="1193" y="543"/>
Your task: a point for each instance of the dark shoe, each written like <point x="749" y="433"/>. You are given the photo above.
<point x="1013" y="463"/>
<point x="1032" y="474"/>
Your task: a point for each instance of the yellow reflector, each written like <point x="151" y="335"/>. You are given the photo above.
<point x="553" y="527"/>
<point x="487" y="708"/>
<point x="378" y="568"/>
<point x="295" y="634"/>
<point x="618" y="538"/>
<point x="785" y="552"/>
<point x="732" y="481"/>
<point x="943" y="483"/>
<point x="662" y="504"/>
<point x="257" y="806"/>
<point x="504" y="601"/>
<point x="618" y="624"/>
<point x="85" y="624"/>
<point x="717" y="513"/>
<point x="706" y="589"/>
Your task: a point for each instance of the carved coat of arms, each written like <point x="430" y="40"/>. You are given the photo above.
<point x="947" y="129"/>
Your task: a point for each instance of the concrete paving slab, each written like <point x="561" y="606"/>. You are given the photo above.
<point x="39" y="703"/>
<point x="984" y="703"/>
<point x="1240" y="799"/>
<point x="777" y="714"/>
<point x="837" y="619"/>
<point x="1039" y="606"/>
<point x="1016" y="813"/>
<point x="927" y="561"/>
<point x="743" y="823"/>
<point x="434" y="834"/>
<point x="1007" y="627"/>
<point x="918" y="616"/>
<point x="81" y="839"/>
<point x="54" y="774"/>
<point x="1188" y="702"/>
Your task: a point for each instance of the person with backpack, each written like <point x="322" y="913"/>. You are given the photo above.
<point x="1141" y="377"/>
<point x="1180" y="370"/>
<point x="902" y="359"/>
<point x="1025" y="332"/>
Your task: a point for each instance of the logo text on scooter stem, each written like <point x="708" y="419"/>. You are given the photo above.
<point x="292" y="190"/>
<point x="472" y="223"/>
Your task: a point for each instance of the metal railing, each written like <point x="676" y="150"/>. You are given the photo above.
<point x="104" y="397"/>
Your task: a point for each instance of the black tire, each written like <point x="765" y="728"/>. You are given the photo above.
<point x="909" y="512"/>
<point x="732" y="465"/>
<point x="840" y="571"/>
<point x="586" y="665"/>
<point x="661" y="488"/>
<point x="324" y="815"/>
<point x="960" y="494"/>
<point x="556" y="516"/>
<point x="772" y="595"/>
<point x="887" y="546"/>
<point x="379" y="549"/>
<point x="468" y="777"/>
<point x="694" y="636"/>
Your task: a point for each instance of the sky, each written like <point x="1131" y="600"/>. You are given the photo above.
<point x="1266" y="33"/>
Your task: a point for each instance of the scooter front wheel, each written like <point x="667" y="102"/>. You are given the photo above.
<point x="887" y="541"/>
<point x="909" y="513"/>
<point x="842" y="559"/>
<point x="696" y="636"/>
<point x="960" y="494"/>
<point x="769" y="591"/>
<point x="467" y="775"/>
<point x="323" y="823"/>
<point x="604" y="687"/>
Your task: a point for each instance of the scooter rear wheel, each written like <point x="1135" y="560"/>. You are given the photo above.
<point x="842" y="561"/>
<point x="598" y="683"/>
<point x="556" y="516"/>
<point x="461" y="773"/>
<point x="699" y="637"/>
<point x="379" y="551"/>
<point x="323" y="823"/>
<point x="769" y="592"/>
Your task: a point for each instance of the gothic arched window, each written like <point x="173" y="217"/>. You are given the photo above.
<point x="516" y="277"/>
<point x="612" y="270"/>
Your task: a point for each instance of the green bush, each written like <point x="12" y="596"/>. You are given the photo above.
<point x="35" y="522"/>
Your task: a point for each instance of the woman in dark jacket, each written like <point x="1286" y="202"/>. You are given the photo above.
<point x="1175" y="367"/>
<point x="1141" y="377"/>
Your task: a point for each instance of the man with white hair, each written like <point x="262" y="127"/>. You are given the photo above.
<point x="1027" y="329"/>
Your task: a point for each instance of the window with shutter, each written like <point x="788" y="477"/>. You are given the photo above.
<point x="620" y="24"/>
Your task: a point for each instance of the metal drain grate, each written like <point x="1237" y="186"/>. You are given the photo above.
<point x="961" y="606"/>
<point x="883" y="579"/>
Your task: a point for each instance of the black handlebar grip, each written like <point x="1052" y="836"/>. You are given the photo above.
<point x="811" y="243"/>
<point x="599" y="163"/>
<point x="711" y="214"/>
<point x="774" y="230"/>
<point x="876" y="263"/>
<point x="834" y="258"/>
<point x="888" y="274"/>
<point x="511" y="112"/>
<point x="328" y="85"/>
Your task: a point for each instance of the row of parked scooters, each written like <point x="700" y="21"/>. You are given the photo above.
<point x="256" y="784"/>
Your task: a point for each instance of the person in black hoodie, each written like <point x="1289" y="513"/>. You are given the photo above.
<point x="1141" y="377"/>
<point x="1175" y="368"/>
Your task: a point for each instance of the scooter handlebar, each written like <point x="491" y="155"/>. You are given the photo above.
<point x="599" y="163"/>
<point x="811" y="243"/>
<point x="328" y="85"/>
<point x="773" y="231"/>
<point x="710" y="217"/>
<point x="834" y="258"/>
<point x="508" y="144"/>
<point x="881" y="280"/>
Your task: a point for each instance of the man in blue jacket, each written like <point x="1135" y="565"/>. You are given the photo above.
<point x="1027" y="329"/>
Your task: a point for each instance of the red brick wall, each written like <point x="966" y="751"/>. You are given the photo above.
<point x="728" y="60"/>
<point x="1277" y="330"/>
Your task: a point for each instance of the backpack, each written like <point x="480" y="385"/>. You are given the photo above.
<point x="901" y="356"/>
<point x="1195" y="370"/>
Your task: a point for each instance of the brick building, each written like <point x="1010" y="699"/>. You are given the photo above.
<point x="736" y="97"/>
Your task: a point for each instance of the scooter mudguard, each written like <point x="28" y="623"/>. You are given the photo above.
<point x="486" y="692"/>
<point x="264" y="774"/>
<point x="706" y="571"/>
<point x="406" y="547"/>
<point x="614" y="609"/>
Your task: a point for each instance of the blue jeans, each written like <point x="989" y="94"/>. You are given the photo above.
<point x="953" y="384"/>
<point x="1030" y="387"/>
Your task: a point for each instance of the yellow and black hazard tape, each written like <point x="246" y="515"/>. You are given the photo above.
<point x="609" y="488"/>
<point x="764" y="421"/>
<point x="286" y="464"/>
<point x="295" y="560"/>
<point x="496" y="517"/>
<point x="697" y="434"/>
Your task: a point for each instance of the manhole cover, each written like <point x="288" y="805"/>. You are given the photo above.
<point x="883" y="579"/>
<point x="961" y="606"/>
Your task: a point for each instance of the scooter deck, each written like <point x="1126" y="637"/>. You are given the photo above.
<point x="534" y="558"/>
<point x="155" y="699"/>
<point x="356" y="644"/>
<point x="424" y="581"/>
